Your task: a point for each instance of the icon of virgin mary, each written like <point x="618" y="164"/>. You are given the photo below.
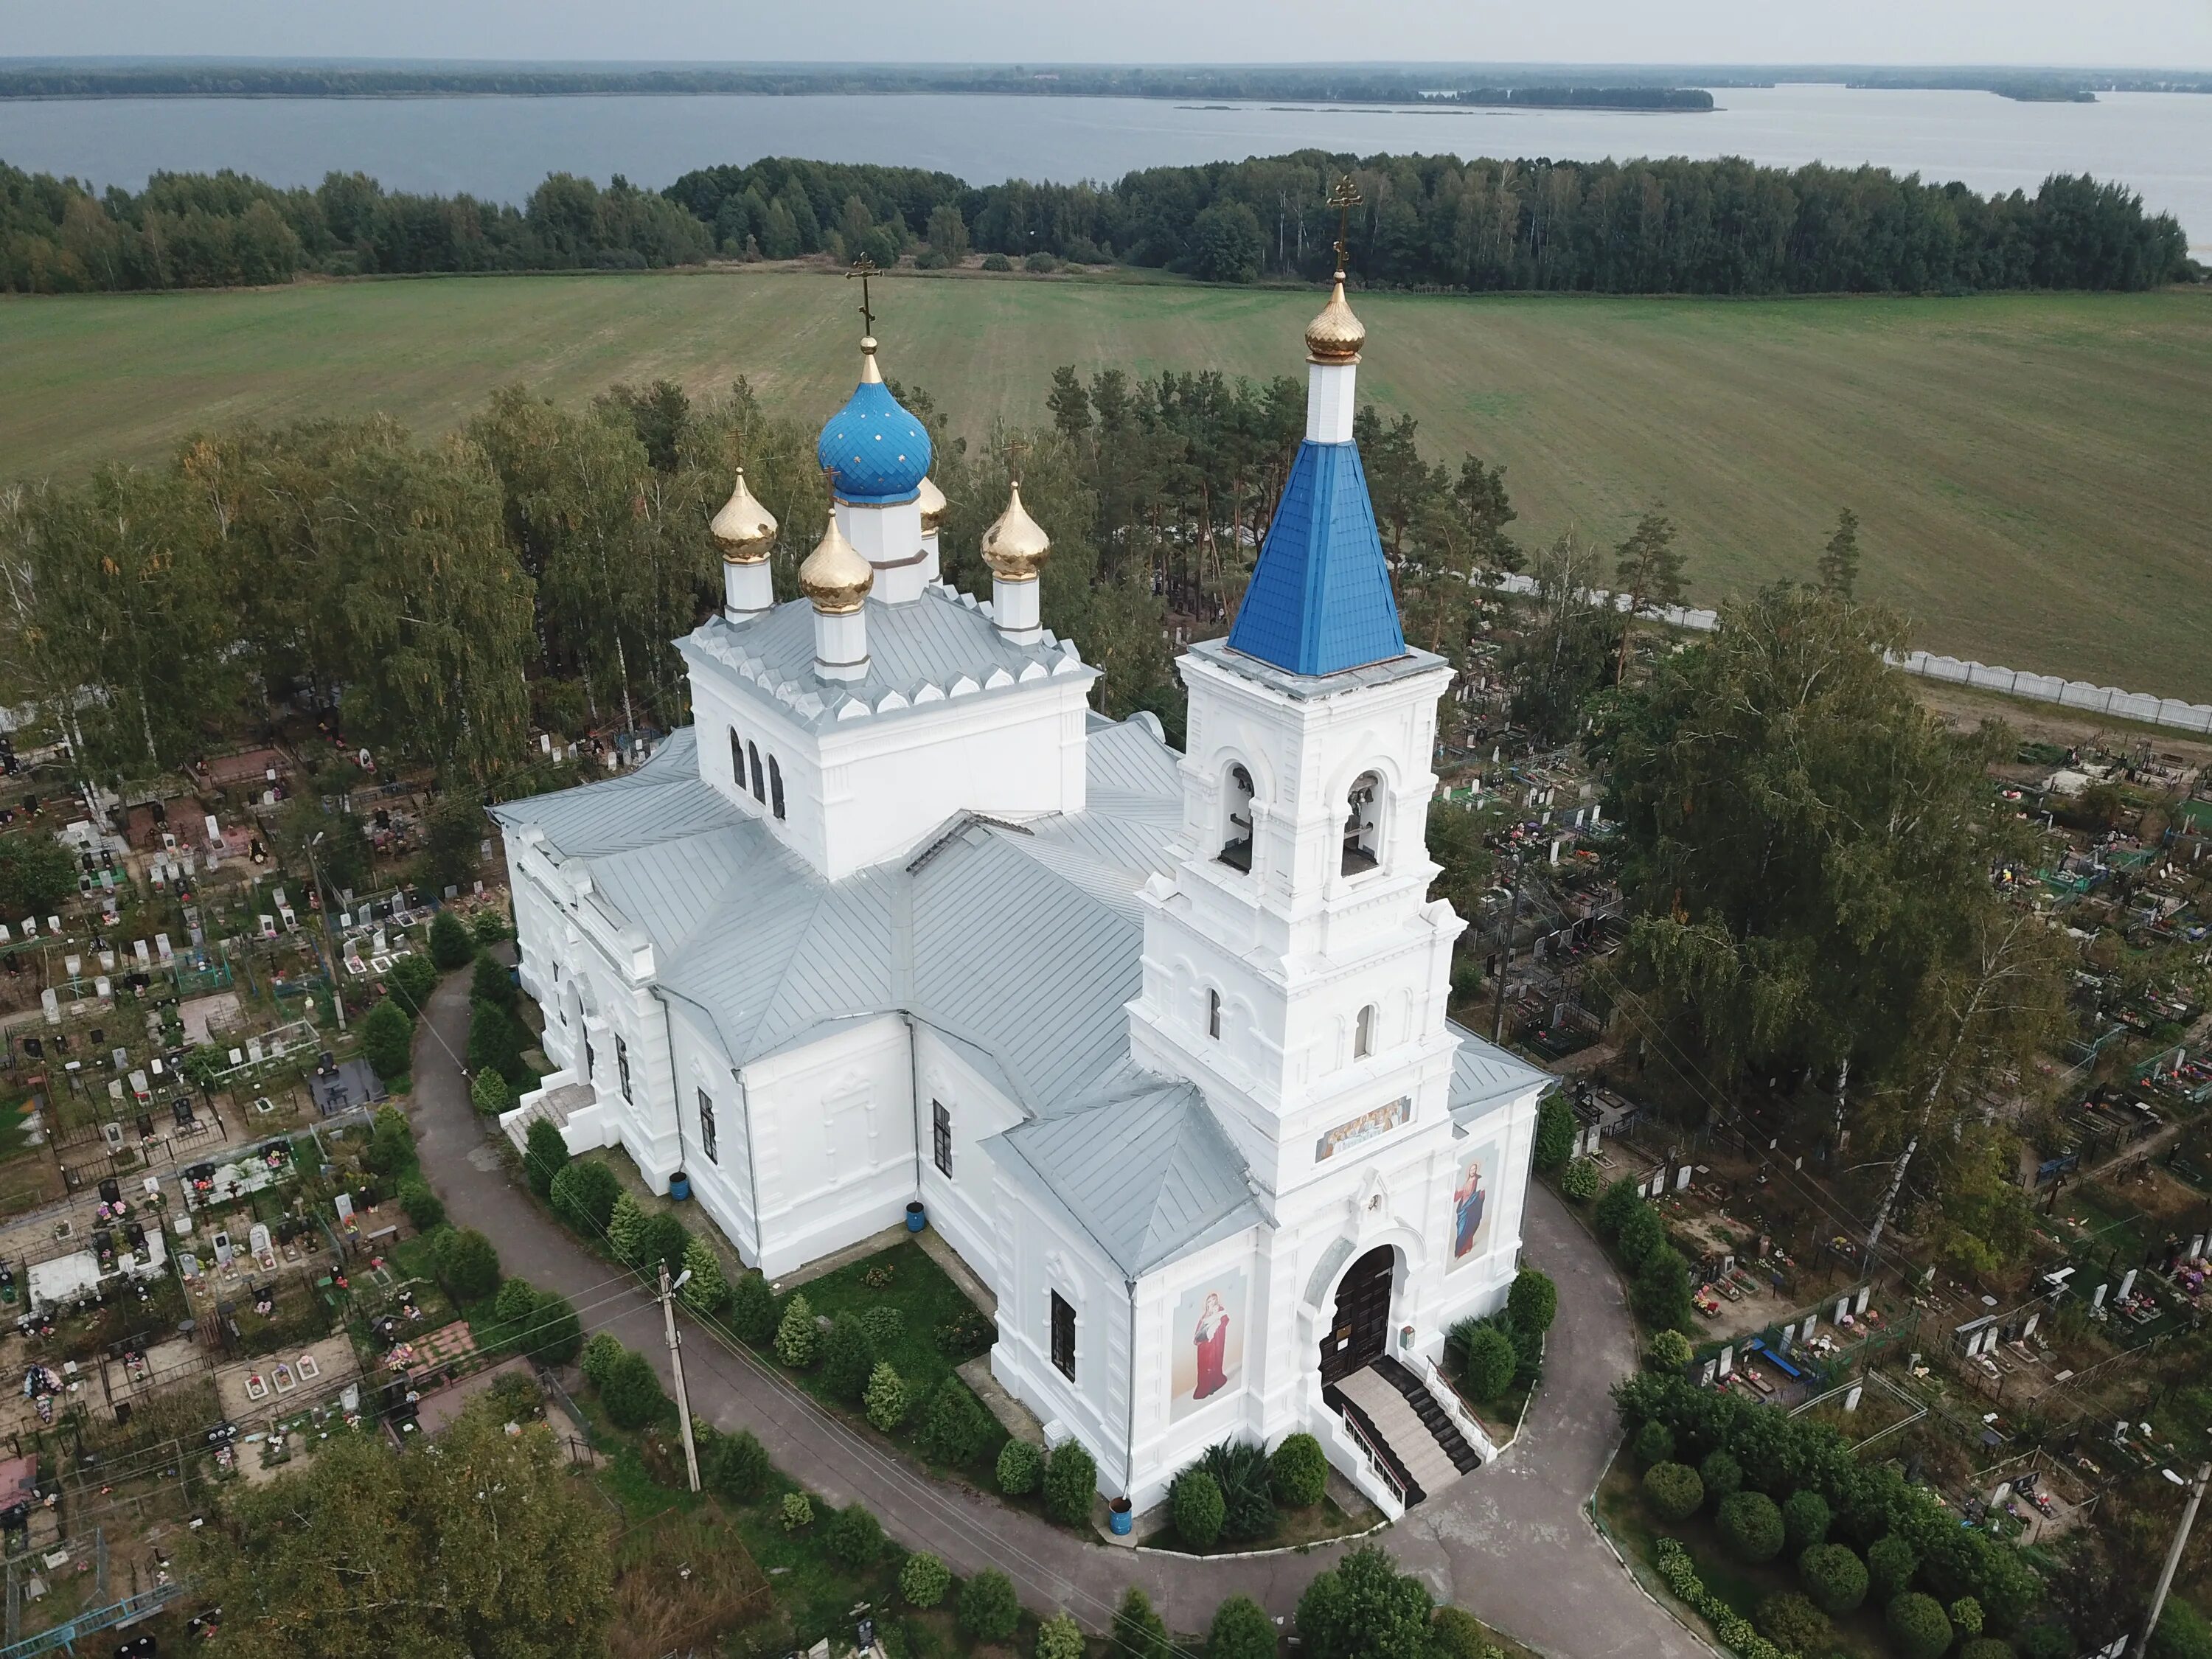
<point x="1212" y="1338"/>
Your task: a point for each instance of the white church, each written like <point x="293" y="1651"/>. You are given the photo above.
<point x="1158" y="1041"/>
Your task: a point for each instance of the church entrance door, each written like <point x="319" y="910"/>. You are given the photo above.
<point x="1356" y="1335"/>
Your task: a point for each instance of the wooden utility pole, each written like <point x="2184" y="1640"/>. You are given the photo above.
<point x="2173" y="1558"/>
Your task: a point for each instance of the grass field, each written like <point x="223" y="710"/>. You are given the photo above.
<point x="2034" y="472"/>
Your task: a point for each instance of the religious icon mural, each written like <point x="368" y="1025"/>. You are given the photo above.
<point x="1205" y="1343"/>
<point x="1472" y="1201"/>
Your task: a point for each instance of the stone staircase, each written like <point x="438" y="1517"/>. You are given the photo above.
<point x="1395" y="1412"/>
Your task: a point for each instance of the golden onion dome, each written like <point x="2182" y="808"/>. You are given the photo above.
<point x="932" y="506"/>
<point x="1015" y="544"/>
<point x="834" y="576"/>
<point x="744" y="528"/>
<point x="1336" y="335"/>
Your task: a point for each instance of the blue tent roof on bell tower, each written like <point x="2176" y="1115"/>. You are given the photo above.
<point x="1319" y="600"/>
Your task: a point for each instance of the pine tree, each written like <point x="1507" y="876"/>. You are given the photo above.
<point x="627" y="1230"/>
<point x="796" y="1338"/>
<point x="709" y="1288"/>
<point x="886" y="1398"/>
<point x="1839" y="560"/>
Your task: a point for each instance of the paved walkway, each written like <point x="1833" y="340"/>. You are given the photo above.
<point x="1509" y="1543"/>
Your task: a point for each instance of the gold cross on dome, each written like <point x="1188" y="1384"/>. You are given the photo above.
<point x="1344" y="197"/>
<point x="864" y="268"/>
<point x="1016" y="448"/>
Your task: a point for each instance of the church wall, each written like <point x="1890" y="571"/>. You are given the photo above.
<point x="965" y="1207"/>
<point x="1192" y="1391"/>
<point x="1478" y="1285"/>
<point x="722" y="1185"/>
<point x="833" y="1140"/>
<point x="1046" y="1252"/>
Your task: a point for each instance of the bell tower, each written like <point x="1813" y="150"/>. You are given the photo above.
<point x="1294" y="967"/>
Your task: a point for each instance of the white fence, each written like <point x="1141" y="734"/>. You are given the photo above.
<point x="2139" y="706"/>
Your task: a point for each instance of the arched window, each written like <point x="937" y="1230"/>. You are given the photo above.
<point x="1213" y="1015"/>
<point x="775" y="785"/>
<point x="1362" y="825"/>
<point x="1237" y="819"/>
<point x="737" y="760"/>
<point x="760" y="782"/>
<point x="1363" y="1033"/>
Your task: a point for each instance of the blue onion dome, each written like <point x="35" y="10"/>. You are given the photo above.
<point x="875" y="451"/>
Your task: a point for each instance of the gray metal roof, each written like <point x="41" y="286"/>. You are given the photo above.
<point x="1148" y="1175"/>
<point x="1485" y="1076"/>
<point x="939" y="646"/>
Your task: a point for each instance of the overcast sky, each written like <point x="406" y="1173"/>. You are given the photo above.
<point x="2152" y="33"/>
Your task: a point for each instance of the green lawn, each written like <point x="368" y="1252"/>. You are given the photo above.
<point x="2030" y="469"/>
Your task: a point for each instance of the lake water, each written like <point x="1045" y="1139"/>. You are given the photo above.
<point x="2159" y="145"/>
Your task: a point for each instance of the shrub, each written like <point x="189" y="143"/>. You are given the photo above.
<point x="1021" y="1465"/>
<point x="2182" y="1632"/>
<point x="1460" y="1635"/>
<point x="990" y="1610"/>
<point x="2049" y="1639"/>
<point x="997" y="262"/>
<point x="1041" y="261"/>
<point x="516" y="1301"/>
<point x="884" y="1325"/>
<point x="451" y="947"/>
<point x="736" y="1466"/>
<point x="1673" y="1490"/>
<point x="1834" y="1578"/>
<point x="626" y="1230"/>
<point x="1805" y="1519"/>
<point x="387" y="1041"/>
<point x="1966" y="1615"/>
<point x="1620" y="1201"/>
<point x="555" y="1332"/>
<point x="1793" y="1624"/>
<point x="1918" y="1623"/>
<point x="666" y="1240"/>
<point x="544" y="1153"/>
<point x="855" y="1536"/>
<point x="1364" y="1606"/>
<point x="1641" y="1233"/>
<point x="1059" y="1637"/>
<point x="1241" y="1629"/>
<point x="708" y="1290"/>
<point x="1655" y="1443"/>
<point x="422" y="1206"/>
<point x="1138" y="1632"/>
<point x="1661" y="1294"/>
<point x="848" y="1358"/>
<point x="1299" y="1471"/>
<point x="631" y="1392"/>
<point x="796" y="1338"/>
<point x="1578" y="1181"/>
<point x="467" y="1266"/>
<point x="1751" y="1526"/>
<point x="411" y="979"/>
<point x="1555" y="1133"/>
<point x="1487" y="1363"/>
<point x="516" y="1397"/>
<point x="489" y="981"/>
<point x="1984" y="1647"/>
<point x="1247" y="1484"/>
<point x="1533" y="1302"/>
<point x="885" y="1397"/>
<point x="752" y="1309"/>
<point x="1071" y="1480"/>
<point x="955" y="1427"/>
<point x="795" y="1512"/>
<point x="489" y="927"/>
<point x="1195" y="1502"/>
<point x="599" y="1355"/>
<point x="1891" y="1563"/>
<point x="923" y="1580"/>
<point x="1668" y="1351"/>
<point x="1723" y="1475"/>
<point x="490" y="1095"/>
<point x="584" y="1195"/>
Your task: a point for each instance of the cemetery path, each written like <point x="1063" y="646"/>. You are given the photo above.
<point x="1512" y="1543"/>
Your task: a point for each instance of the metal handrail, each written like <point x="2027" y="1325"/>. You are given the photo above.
<point x="1376" y="1461"/>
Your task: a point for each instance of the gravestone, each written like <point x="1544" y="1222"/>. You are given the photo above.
<point x="1866" y="1295"/>
<point x="1728" y="1360"/>
<point x="2127" y="1283"/>
<point x="1851" y="1398"/>
<point x="257" y="1240"/>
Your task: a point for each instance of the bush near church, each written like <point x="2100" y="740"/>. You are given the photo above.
<point x="795" y="1335"/>
<point x="1195" y="1502"/>
<point x="1793" y="1624"/>
<point x="989" y="1609"/>
<point x="1673" y="1490"/>
<point x="1833" y="1577"/>
<point x="1299" y="1470"/>
<point x="1071" y="1480"/>
<point x="1021" y="1465"/>
<point x="923" y="1580"/>
<point x="1241" y="1629"/>
<point x="1751" y="1526"/>
<point x="1919" y="1624"/>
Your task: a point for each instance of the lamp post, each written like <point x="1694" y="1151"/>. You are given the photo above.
<point x="676" y="1363"/>
<point x="330" y="957"/>
<point x="2173" y="1555"/>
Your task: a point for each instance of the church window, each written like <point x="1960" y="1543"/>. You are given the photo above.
<point x="760" y="787"/>
<point x="1213" y="1015"/>
<point x="591" y="1060"/>
<point x="622" y="1066"/>
<point x="1237" y="827"/>
<point x="707" y="1126"/>
<point x="941" y="1136"/>
<point x="775" y="785"/>
<point x="1363" y="827"/>
<point x="1363" y="1033"/>
<point x="737" y="760"/>
<point x="1063" y="1336"/>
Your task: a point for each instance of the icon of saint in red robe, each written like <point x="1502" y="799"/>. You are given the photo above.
<point x="1212" y="1338"/>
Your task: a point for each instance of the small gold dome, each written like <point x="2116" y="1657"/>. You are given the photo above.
<point x="744" y="528"/>
<point x="834" y="576"/>
<point x="1336" y="335"/>
<point x="1015" y="545"/>
<point x="932" y="506"/>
